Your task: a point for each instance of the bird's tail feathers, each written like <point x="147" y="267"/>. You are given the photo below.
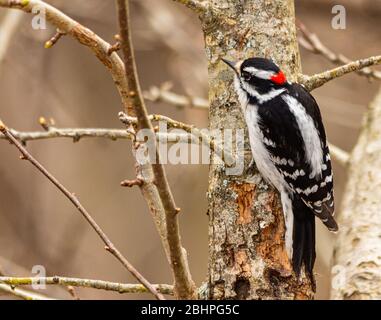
<point x="303" y="238"/>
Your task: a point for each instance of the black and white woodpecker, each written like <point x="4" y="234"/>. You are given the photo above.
<point x="289" y="147"/>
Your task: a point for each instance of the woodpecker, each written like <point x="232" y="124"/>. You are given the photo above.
<point x="290" y="150"/>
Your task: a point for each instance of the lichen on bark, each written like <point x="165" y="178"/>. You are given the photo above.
<point x="247" y="258"/>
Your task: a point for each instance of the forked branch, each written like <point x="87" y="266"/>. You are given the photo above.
<point x="109" y="246"/>
<point x="184" y="285"/>
<point x="83" y="35"/>
<point x="317" y="80"/>
<point x="116" y="67"/>
<point x="311" y="42"/>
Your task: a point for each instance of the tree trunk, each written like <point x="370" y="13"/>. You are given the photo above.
<point x="357" y="256"/>
<point x="247" y="257"/>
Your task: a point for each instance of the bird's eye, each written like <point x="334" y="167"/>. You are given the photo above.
<point x="246" y="75"/>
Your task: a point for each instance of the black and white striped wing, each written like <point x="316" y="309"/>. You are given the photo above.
<point x="284" y="140"/>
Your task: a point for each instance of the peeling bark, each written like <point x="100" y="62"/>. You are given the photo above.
<point x="247" y="258"/>
<point x="357" y="256"/>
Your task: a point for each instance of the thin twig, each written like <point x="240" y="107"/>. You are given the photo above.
<point x="163" y="94"/>
<point x="20" y="293"/>
<point x="54" y="39"/>
<point x="83" y="35"/>
<point x="128" y="120"/>
<point x="199" y="6"/>
<point x="191" y="135"/>
<point x="339" y="155"/>
<point x="23" y="294"/>
<point x="115" y="65"/>
<point x="184" y="285"/>
<point x="78" y="133"/>
<point x="73" y="199"/>
<point x="218" y="149"/>
<point x="317" y="80"/>
<point x="116" y="46"/>
<point x="85" y="283"/>
<point x="71" y="290"/>
<point x="131" y="183"/>
<point x="311" y="42"/>
<point x="72" y="133"/>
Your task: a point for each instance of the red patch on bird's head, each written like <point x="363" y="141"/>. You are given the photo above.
<point x="279" y="78"/>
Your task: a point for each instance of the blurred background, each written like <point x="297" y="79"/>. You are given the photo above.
<point x="38" y="226"/>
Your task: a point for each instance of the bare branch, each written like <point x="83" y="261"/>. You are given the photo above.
<point x="184" y="285"/>
<point x="127" y="120"/>
<point x="73" y="292"/>
<point x="182" y="43"/>
<point x="23" y="294"/>
<point x="339" y="155"/>
<point x="73" y="199"/>
<point x="53" y="40"/>
<point x="311" y="42"/>
<point x="317" y="80"/>
<point x="191" y="129"/>
<point x="83" y="35"/>
<point x="163" y="94"/>
<point x="78" y="133"/>
<point x="85" y="283"/>
<point x="72" y="133"/>
<point x="192" y="135"/>
<point x="116" y="67"/>
<point x="116" y="46"/>
<point x="132" y="183"/>
<point x="199" y="6"/>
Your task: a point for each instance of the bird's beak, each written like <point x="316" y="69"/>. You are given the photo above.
<point x="234" y="65"/>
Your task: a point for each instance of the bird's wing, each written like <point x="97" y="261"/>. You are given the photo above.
<point x="285" y="143"/>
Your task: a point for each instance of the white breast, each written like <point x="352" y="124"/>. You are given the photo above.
<point x="260" y="153"/>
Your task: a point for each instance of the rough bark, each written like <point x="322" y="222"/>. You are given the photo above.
<point x="357" y="256"/>
<point x="247" y="258"/>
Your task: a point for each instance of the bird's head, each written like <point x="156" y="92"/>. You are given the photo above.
<point x="260" y="74"/>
